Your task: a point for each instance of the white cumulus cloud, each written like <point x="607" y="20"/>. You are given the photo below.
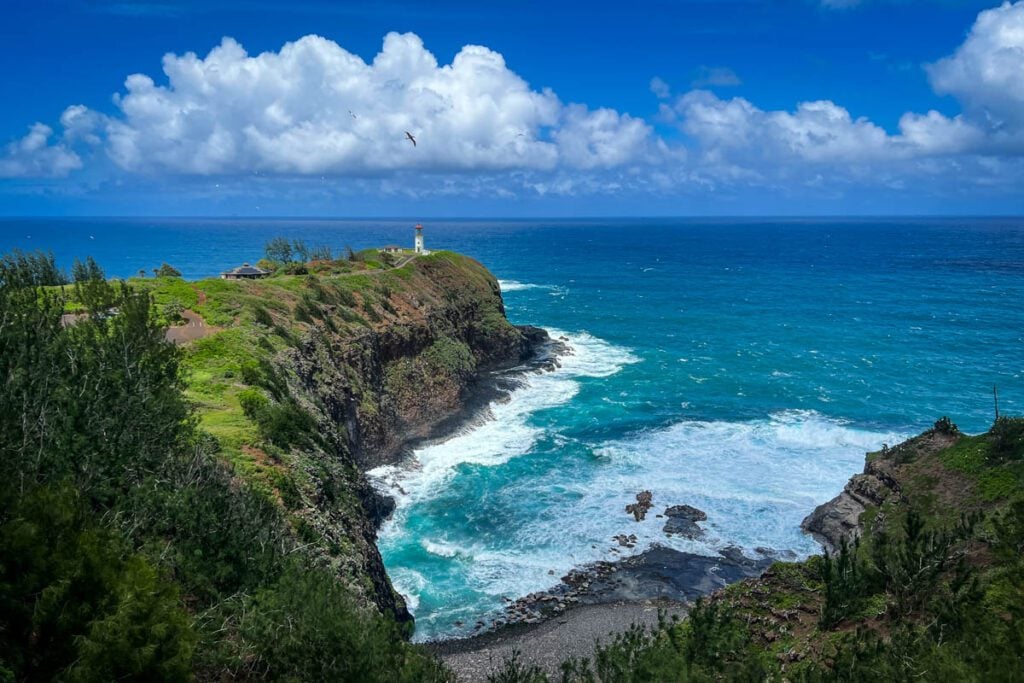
<point x="34" y="157"/>
<point x="312" y="117"/>
<point x="816" y="132"/>
<point x="819" y="141"/>
<point x="315" y="108"/>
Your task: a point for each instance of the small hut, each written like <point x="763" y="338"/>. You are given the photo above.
<point x="392" y="249"/>
<point x="244" y="272"/>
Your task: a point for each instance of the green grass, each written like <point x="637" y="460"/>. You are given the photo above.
<point x="970" y="455"/>
<point x="213" y="372"/>
<point x="1001" y="482"/>
<point x="966" y="455"/>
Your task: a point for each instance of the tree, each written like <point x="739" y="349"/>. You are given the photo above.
<point x="321" y="253"/>
<point x="300" y="250"/>
<point x="166" y="270"/>
<point x="110" y="436"/>
<point x="278" y="249"/>
<point x="87" y="271"/>
<point x="77" y="604"/>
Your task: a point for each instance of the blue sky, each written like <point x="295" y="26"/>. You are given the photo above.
<point x="642" y="108"/>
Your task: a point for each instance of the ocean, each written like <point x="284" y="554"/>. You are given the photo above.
<point x="742" y="366"/>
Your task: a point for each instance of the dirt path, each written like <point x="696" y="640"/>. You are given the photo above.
<point x="194" y="328"/>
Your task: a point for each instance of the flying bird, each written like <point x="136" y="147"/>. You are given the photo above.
<point x="411" y="138"/>
<point x="353" y="115"/>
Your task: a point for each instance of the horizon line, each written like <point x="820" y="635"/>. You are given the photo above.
<point x="514" y="218"/>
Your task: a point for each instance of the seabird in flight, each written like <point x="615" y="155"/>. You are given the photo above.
<point x="411" y="138"/>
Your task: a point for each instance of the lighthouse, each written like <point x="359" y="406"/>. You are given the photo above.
<point x="419" y="241"/>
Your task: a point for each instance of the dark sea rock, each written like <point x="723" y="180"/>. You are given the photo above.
<point x="641" y="506"/>
<point x="682" y="521"/>
<point x="659" y="573"/>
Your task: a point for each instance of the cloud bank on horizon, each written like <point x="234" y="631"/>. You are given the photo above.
<point x="313" y="109"/>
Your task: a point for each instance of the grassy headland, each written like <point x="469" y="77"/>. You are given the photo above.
<point x="200" y="511"/>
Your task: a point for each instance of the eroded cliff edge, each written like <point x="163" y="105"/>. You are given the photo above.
<point x="842" y="518"/>
<point x="311" y="379"/>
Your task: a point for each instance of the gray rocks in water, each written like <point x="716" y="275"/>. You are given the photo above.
<point x="626" y="541"/>
<point x="682" y="521"/>
<point x="735" y="555"/>
<point x="772" y="554"/>
<point x="641" y="506"/>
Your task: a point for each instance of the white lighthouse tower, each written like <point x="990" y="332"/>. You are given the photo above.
<point x="419" y="241"/>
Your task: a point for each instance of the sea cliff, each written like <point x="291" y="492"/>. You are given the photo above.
<point x="308" y="380"/>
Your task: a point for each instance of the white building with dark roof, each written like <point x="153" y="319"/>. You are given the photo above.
<point x="244" y="272"/>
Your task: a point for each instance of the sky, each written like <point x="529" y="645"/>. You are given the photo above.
<point x="641" y="108"/>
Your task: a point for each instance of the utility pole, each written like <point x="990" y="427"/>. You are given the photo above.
<point x="995" y="397"/>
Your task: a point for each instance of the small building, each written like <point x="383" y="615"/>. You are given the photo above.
<point x="391" y="249"/>
<point x="244" y="272"/>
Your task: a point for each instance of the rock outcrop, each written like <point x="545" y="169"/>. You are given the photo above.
<point x="641" y="506"/>
<point x="682" y="521"/>
<point x="838" y="520"/>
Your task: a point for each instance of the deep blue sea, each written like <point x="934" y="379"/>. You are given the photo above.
<point x="741" y="366"/>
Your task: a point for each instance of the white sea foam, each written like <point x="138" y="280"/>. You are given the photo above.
<point x="756" y="480"/>
<point x="515" y="286"/>
<point x="507" y="432"/>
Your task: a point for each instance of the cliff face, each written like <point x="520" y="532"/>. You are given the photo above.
<point x="839" y="519"/>
<point x="322" y="376"/>
<point x="392" y="383"/>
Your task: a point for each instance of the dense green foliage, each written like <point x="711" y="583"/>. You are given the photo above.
<point x="128" y="548"/>
<point x="1007" y="439"/>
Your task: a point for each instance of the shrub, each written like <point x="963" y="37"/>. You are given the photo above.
<point x="1006" y="439"/>
<point x="283" y="423"/>
<point x="172" y="311"/>
<point x="77" y="604"/>
<point x="166" y="270"/>
<point x="305" y="627"/>
<point x="261" y="316"/>
<point x="945" y="426"/>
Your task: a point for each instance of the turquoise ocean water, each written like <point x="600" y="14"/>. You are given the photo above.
<point x="741" y="366"/>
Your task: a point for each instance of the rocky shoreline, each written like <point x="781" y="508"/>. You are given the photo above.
<point x="659" y="573"/>
<point x="492" y="384"/>
<point x="593" y="603"/>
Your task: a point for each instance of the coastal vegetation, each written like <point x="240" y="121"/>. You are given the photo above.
<point x="164" y="510"/>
